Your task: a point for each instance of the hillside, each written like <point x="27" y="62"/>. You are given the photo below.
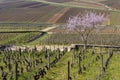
<point x="26" y="11"/>
<point x="113" y="3"/>
<point x="44" y="12"/>
<point x="1" y="1"/>
<point x="59" y="1"/>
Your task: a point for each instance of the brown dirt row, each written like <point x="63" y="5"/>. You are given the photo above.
<point x="57" y="16"/>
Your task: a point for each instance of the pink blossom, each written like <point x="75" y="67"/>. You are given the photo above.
<point x="87" y="21"/>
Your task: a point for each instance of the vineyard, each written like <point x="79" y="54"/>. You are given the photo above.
<point x="59" y="40"/>
<point x="39" y="12"/>
<point x="33" y="11"/>
<point x="7" y="27"/>
<point x="18" y="38"/>
<point x="107" y="39"/>
<point x="25" y="66"/>
<point x="94" y="63"/>
<point x="20" y="33"/>
<point x="22" y="27"/>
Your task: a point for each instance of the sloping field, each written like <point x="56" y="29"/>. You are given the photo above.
<point x="76" y="11"/>
<point x="59" y="1"/>
<point x="91" y="5"/>
<point x="70" y="12"/>
<point x="57" y="16"/>
<point x="23" y="11"/>
<point x="112" y="3"/>
<point x="114" y="17"/>
<point x="91" y="0"/>
<point x="87" y="3"/>
<point x="32" y="11"/>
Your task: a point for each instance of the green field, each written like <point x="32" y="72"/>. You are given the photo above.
<point x="17" y="38"/>
<point x="115" y="18"/>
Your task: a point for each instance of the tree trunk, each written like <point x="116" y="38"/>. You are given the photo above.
<point x="79" y="65"/>
<point x="102" y="61"/>
<point x="69" y="70"/>
<point x="73" y="55"/>
<point x="16" y="71"/>
<point x="49" y="60"/>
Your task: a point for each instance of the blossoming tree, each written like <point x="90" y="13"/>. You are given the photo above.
<point x="85" y="24"/>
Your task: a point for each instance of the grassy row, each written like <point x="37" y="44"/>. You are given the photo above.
<point x="17" y="38"/>
<point x="37" y="41"/>
<point x="113" y="71"/>
<point x="114" y="18"/>
<point x="13" y="26"/>
<point x="59" y="72"/>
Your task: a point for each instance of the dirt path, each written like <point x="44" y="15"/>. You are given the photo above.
<point x="49" y="28"/>
<point x="57" y="16"/>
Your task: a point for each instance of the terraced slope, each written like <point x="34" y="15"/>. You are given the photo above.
<point x="26" y="11"/>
